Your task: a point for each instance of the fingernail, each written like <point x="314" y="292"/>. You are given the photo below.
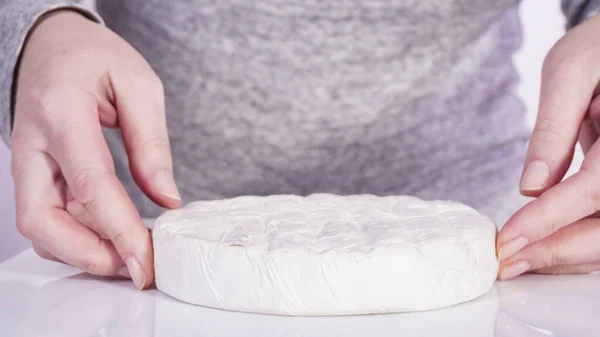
<point x="512" y="247"/>
<point x="124" y="272"/>
<point x="137" y="273"/>
<point x="166" y="185"/>
<point x="515" y="269"/>
<point x="536" y="176"/>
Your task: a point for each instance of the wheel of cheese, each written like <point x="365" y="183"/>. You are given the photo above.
<point x="324" y="254"/>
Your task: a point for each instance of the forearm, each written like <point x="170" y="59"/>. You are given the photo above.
<point x="17" y="17"/>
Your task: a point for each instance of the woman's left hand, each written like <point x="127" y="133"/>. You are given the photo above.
<point x="558" y="232"/>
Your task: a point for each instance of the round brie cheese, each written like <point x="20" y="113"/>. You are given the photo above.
<point x="324" y="254"/>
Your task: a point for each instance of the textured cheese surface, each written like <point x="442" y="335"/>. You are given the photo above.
<point x="324" y="254"/>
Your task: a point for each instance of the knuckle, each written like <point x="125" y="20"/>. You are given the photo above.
<point x="592" y="190"/>
<point x="559" y="62"/>
<point x="18" y="140"/>
<point x="557" y="271"/>
<point x="49" y="107"/>
<point x="543" y="230"/>
<point x="38" y="251"/>
<point x="84" y="185"/>
<point x="549" y="271"/>
<point x="155" y="144"/>
<point x="91" y="267"/>
<point x="147" y="81"/>
<point x="152" y="152"/>
<point x="41" y="252"/>
<point x="47" y="102"/>
<point x="99" y="264"/>
<point x="27" y="224"/>
<point x="551" y="253"/>
<point x="118" y="239"/>
<point x="551" y="131"/>
<point x="552" y="61"/>
<point x="549" y="259"/>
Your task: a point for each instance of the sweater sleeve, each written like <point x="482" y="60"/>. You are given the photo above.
<point x="16" y="19"/>
<point x="578" y="11"/>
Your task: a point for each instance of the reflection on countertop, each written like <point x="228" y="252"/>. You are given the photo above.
<point x="42" y="298"/>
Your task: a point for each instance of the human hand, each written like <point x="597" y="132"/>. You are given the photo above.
<point x="557" y="232"/>
<point x="75" y="77"/>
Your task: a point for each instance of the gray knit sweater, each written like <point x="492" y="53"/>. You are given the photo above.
<point x="302" y="96"/>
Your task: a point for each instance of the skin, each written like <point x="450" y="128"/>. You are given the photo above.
<point x="559" y="227"/>
<point x="77" y="76"/>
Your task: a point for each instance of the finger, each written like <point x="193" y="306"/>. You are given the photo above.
<point x="594" y="108"/>
<point x="571" y="200"/>
<point x="86" y="163"/>
<point x="43" y="253"/>
<point x="77" y="245"/>
<point x="586" y="268"/>
<point x="81" y="215"/>
<point x="561" y="111"/>
<point x="573" y="245"/>
<point x="140" y="103"/>
<point x="54" y="232"/>
<point x="588" y="135"/>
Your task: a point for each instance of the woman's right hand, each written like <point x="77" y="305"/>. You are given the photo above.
<point x="75" y="77"/>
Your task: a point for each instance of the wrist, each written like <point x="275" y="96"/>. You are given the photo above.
<point x="60" y="17"/>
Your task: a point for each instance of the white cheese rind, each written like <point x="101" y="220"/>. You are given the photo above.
<point x="324" y="254"/>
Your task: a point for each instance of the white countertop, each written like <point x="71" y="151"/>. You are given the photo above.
<point x="43" y="298"/>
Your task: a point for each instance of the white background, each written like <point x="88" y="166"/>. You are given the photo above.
<point x="543" y="25"/>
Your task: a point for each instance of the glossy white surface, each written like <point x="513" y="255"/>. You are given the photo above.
<point x="42" y="298"/>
